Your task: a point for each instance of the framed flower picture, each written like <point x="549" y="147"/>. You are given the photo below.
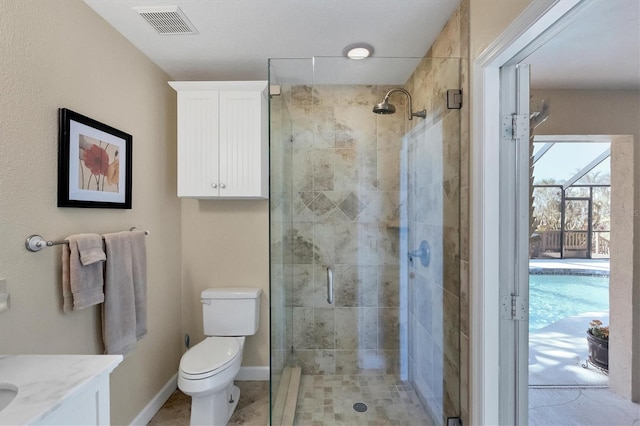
<point x="94" y="163"/>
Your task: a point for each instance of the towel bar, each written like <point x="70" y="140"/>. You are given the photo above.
<point x="36" y="243"/>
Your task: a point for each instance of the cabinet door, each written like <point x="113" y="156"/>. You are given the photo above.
<point x="89" y="407"/>
<point x="198" y="173"/>
<point x="242" y="153"/>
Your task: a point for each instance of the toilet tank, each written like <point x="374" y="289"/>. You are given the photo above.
<point x="231" y="311"/>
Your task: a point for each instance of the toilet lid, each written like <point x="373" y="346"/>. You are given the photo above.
<point x="209" y="355"/>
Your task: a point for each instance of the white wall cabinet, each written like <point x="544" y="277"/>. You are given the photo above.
<point x="222" y="139"/>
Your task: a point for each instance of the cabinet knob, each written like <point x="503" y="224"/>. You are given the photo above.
<point x="223" y="186"/>
<point x="214" y="186"/>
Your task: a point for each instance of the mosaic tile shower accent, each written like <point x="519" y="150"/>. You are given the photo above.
<point x="345" y="205"/>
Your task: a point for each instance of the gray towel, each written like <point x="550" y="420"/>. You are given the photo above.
<point x="82" y="285"/>
<point x="124" y="314"/>
<point x="90" y="249"/>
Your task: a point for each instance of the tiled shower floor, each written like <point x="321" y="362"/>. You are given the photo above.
<point x="328" y="400"/>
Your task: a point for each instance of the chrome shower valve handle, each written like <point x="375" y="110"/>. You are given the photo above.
<point x="423" y="253"/>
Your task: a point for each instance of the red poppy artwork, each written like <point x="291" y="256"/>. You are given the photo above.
<point x="94" y="163"/>
<point x="99" y="168"/>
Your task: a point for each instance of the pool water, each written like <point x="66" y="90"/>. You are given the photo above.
<point x="553" y="297"/>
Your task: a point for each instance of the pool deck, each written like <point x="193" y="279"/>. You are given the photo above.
<point x="559" y="387"/>
<point x="558" y="351"/>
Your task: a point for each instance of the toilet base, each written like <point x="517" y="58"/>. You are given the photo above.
<point x="214" y="409"/>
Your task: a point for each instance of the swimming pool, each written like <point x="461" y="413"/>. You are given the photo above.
<point x="553" y="297"/>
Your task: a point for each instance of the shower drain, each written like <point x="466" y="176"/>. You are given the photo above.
<point x="360" y="407"/>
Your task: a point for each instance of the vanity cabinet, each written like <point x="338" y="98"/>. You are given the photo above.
<point x="222" y="139"/>
<point x="88" y="407"/>
<point x="57" y="389"/>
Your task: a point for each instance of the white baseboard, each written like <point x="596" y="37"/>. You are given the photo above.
<point x="156" y="402"/>
<point x="253" y="373"/>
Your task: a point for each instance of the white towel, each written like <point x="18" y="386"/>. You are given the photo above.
<point x="124" y="314"/>
<point x="82" y="284"/>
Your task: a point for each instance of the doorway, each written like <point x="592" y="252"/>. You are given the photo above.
<point x="569" y="250"/>
<point x="546" y="19"/>
<point x="571" y="382"/>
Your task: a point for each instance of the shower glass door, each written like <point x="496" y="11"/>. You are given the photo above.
<point x="281" y="227"/>
<point x="364" y="311"/>
<point x="431" y="217"/>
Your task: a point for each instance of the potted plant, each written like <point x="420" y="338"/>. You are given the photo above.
<point x="598" y="340"/>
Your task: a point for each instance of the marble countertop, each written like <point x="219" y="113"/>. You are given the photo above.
<point x="46" y="381"/>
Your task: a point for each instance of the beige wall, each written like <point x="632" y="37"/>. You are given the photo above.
<point x="488" y="19"/>
<point x="591" y="112"/>
<point x="61" y="54"/>
<point x="226" y="244"/>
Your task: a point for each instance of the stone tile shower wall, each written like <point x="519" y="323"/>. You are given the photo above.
<point x="345" y="206"/>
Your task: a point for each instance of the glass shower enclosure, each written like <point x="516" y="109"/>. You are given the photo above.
<point x="364" y="229"/>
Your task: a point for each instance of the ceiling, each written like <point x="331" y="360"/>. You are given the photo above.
<point x="236" y="37"/>
<point x="599" y="49"/>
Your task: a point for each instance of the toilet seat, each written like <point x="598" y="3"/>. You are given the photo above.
<point x="210" y="356"/>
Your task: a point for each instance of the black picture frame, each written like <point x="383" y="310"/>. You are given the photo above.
<point x="94" y="163"/>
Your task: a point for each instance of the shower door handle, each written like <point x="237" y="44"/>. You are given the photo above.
<point x="329" y="285"/>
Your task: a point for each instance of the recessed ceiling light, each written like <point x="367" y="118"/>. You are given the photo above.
<point x="358" y="51"/>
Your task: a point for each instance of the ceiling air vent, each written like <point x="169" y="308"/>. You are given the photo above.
<point x="167" y="20"/>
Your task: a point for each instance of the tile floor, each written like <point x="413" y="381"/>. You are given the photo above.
<point x="252" y="409"/>
<point x="322" y="401"/>
<point x="329" y="399"/>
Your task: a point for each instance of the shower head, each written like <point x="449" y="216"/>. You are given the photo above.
<point x="385" y="107"/>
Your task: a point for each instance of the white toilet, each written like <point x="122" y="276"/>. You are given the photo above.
<point x="207" y="370"/>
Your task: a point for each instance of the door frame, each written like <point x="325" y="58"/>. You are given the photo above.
<point x="541" y="17"/>
<point x="513" y="248"/>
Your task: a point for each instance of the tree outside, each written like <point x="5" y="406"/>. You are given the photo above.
<point x="547" y="216"/>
